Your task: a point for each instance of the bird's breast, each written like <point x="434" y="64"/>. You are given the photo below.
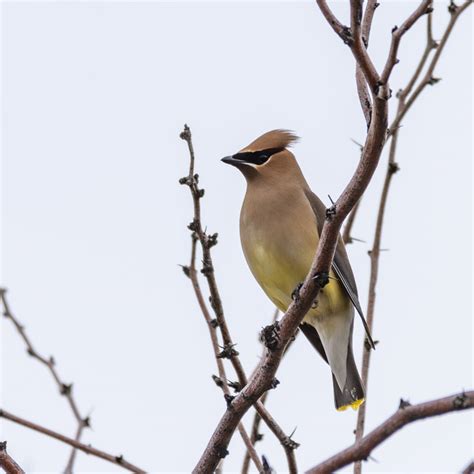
<point x="279" y="241"/>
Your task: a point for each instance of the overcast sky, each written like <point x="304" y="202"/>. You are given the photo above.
<point x="94" y="96"/>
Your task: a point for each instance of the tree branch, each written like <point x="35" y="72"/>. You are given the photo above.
<point x="469" y="469"/>
<point x="255" y="436"/>
<point x="374" y="253"/>
<point x="64" y="388"/>
<point x="397" y="33"/>
<point x="428" y="79"/>
<point x="118" y="460"/>
<point x="404" y="415"/>
<point x="207" y="242"/>
<point x="221" y="380"/>
<point x="7" y="463"/>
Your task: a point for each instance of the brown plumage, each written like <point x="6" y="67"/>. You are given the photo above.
<point x="280" y="223"/>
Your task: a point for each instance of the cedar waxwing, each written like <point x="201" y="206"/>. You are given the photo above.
<point x="280" y="223"/>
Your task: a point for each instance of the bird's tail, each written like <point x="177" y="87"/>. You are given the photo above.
<point x="353" y="394"/>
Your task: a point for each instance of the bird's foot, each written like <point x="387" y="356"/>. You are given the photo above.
<point x="295" y="295"/>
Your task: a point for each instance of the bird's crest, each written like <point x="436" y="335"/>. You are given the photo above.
<point x="274" y="139"/>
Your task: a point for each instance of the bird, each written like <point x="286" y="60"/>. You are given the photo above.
<point x="280" y="224"/>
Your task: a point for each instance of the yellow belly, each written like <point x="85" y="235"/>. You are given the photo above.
<point x="278" y="273"/>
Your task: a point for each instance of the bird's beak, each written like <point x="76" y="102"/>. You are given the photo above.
<point x="230" y="160"/>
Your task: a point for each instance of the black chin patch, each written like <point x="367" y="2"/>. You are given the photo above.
<point x="257" y="157"/>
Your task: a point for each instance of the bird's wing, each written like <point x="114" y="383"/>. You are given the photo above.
<point x="341" y="265"/>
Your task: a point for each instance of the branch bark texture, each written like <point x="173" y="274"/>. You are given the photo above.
<point x="118" y="460"/>
<point x="404" y="415"/>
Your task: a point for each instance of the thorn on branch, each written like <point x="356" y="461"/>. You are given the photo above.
<point x="228" y="399"/>
<point x="186" y="133"/>
<point x="214" y="324"/>
<point x="393" y="167"/>
<point x="460" y="401"/>
<point x="235" y="386"/>
<point x="346" y="36"/>
<point x="403" y="404"/>
<point x="186" y="270"/>
<point x="395" y="28"/>
<point x="258" y="437"/>
<point x="65" y="389"/>
<point x="330" y="212"/>
<point x="433" y="80"/>
<point x="376" y="5"/>
<point x="200" y="193"/>
<point x="289" y="443"/>
<point x="270" y="336"/>
<point x="217" y="380"/>
<point x="321" y="279"/>
<point x="119" y="459"/>
<point x="207" y="269"/>
<point x="368" y="346"/>
<point x="221" y="451"/>
<point x="275" y="383"/>
<point x="227" y="352"/>
<point x="193" y="225"/>
<point x="452" y="8"/>
<point x="267" y="469"/>
<point x="429" y="10"/>
<point x="212" y="240"/>
<point x="295" y="294"/>
<point x="86" y="422"/>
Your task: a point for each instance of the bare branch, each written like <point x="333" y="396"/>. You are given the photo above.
<point x="469" y="469"/>
<point x="255" y="436"/>
<point x="404" y="415"/>
<point x="64" y="388"/>
<point x="398" y="32"/>
<point x="7" y="463"/>
<point x="428" y="78"/>
<point x="118" y="460"/>
<point x="221" y="381"/>
<point x="392" y="168"/>
<point x="207" y="242"/>
<point x="355" y="43"/>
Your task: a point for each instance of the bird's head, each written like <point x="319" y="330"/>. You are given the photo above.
<point x="267" y="157"/>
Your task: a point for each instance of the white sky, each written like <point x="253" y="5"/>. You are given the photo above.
<point x="94" y="96"/>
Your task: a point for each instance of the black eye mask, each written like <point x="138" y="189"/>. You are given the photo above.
<point x="256" y="157"/>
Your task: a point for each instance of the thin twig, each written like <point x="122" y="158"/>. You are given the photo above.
<point x="392" y="168"/>
<point x="64" y="388"/>
<point x="428" y="79"/>
<point x="221" y="381"/>
<point x="404" y="415"/>
<point x="397" y="32"/>
<point x="7" y="463"/>
<point x="255" y="436"/>
<point x="118" y="460"/>
<point x="207" y="242"/>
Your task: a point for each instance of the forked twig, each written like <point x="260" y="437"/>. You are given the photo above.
<point x="404" y="415"/>
<point x="118" y="460"/>
<point x="64" y="388"/>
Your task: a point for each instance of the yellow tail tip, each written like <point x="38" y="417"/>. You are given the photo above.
<point x="354" y="405"/>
